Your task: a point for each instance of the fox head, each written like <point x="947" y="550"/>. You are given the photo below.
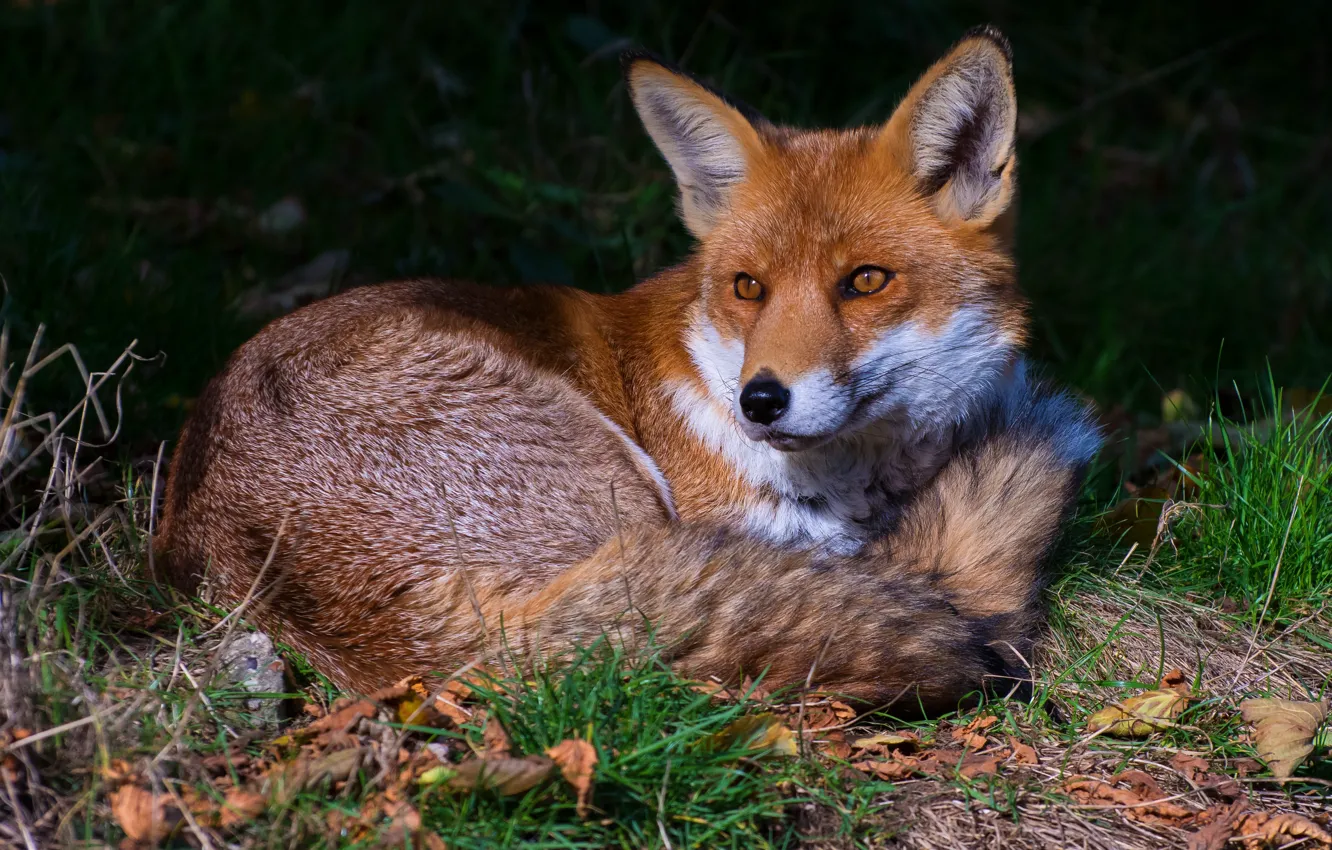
<point x="849" y="277"/>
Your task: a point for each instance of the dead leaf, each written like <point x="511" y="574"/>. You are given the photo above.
<point x="1137" y="518"/>
<point x="287" y="780"/>
<point x="577" y="760"/>
<point x="981" y="764"/>
<point x="241" y="805"/>
<point x="886" y="741"/>
<point x="1283" y="731"/>
<point x="1023" y="753"/>
<point x="834" y="743"/>
<point x="146" y="818"/>
<point x="283" y="217"/>
<point x="1216" y="834"/>
<point x="1192" y="768"/>
<point x="1178" y="406"/>
<point x="1131" y="802"/>
<point x="760" y="732"/>
<point x="1141" y="715"/>
<point x="506" y="776"/>
<point x="495" y="739"/>
<point x="891" y="770"/>
<point x="1262" y="829"/>
<point x="339" y="719"/>
<point x="450" y="701"/>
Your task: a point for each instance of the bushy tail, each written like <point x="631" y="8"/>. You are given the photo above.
<point x="924" y="618"/>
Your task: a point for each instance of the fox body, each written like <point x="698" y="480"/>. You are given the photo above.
<point x="811" y="449"/>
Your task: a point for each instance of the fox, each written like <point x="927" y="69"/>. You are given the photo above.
<point x="813" y="452"/>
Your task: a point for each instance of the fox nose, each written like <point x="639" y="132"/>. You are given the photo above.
<point x="764" y="400"/>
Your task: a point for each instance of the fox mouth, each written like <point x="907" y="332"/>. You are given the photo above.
<point x="783" y="442"/>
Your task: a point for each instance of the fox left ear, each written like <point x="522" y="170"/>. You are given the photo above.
<point x="709" y="142"/>
<point x="957" y="127"/>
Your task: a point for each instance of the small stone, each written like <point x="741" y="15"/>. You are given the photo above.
<point x="282" y="218"/>
<point x="250" y="663"/>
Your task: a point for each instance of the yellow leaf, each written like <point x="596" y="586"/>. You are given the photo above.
<point x="435" y="775"/>
<point x="1141" y="715"/>
<point x="576" y="759"/>
<point x="762" y="732"/>
<point x="505" y="776"/>
<point x="1178" y="406"/>
<point x="1283" y="731"/>
<point x="887" y="740"/>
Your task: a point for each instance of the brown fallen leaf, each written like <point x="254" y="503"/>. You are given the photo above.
<point x="761" y="732"/>
<point x="1263" y="829"/>
<point x="284" y="781"/>
<point x="495" y="739"/>
<point x="1283" y="731"/>
<point x="450" y="701"/>
<point x="1142" y="784"/>
<point x="338" y="719"/>
<point x="891" y="770"/>
<point x="1216" y="833"/>
<point x="505" y="776"/>
<point x="577" y="760"/>
<point x="886" y="741"/>
<point x="1023" y="753"/>
<point x="1192" y="768"/>
<point x="981" y="764"/>
<point x="241" y="805"/>
<point x="1141" y="715"/>
<point x="146" y="818"/>
<point x="1137" y="518"/>
<point x="834" y="743"/>
<point x="1095" y="792"/>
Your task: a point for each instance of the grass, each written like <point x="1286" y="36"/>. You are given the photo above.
<point x="1271" y="541"/>
<point x="1174" y="203"/>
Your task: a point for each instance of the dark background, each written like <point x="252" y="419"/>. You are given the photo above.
<point x="1175" y="209"/>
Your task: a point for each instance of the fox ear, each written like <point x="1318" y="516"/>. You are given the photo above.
<point x="957" y="128"/>
<point x="709" y="143"/>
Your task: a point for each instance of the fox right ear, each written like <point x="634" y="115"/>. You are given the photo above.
<point x="708" y="143"/>
<point x="957" y="127"/>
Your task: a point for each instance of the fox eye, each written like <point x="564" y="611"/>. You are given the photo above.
<point x="747" y="289"/>
<point x="867" y="280"/>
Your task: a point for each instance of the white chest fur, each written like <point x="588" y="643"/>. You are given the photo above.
<point x="836" y="496"/>
<point x="842" y="494"/>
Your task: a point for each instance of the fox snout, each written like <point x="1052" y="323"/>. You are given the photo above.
<point x="797" y="415"/>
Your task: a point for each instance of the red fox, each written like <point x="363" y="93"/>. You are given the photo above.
<point x="811" y="451"/>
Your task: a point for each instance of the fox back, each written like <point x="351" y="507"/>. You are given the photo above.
<point x="817" y="426"/>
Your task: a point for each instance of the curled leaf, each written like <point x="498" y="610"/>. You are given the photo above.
<point x="146" y="818"/>
<point x="1141" y="715"/>
<point x="762" y="732"/>
<point x="506" y="776"/>
<point x="495" y="738"/>
<point x="886" y="741"/>
<point x="287" y="780"/>
<point x="1283" y="731"/>
<point x="576" y="760"/>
